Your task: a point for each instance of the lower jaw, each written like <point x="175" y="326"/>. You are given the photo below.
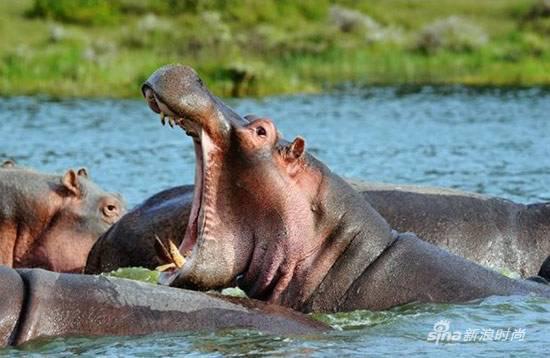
<point x="196" y="216"/>
<point x="168" y="277"/>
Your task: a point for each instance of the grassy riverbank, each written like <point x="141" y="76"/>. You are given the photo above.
<point x="254" y="47"/>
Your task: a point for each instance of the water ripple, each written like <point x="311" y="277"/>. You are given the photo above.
<point x="492" y="141"/>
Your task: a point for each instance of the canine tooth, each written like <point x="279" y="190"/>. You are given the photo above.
<point x="165" y="267"/>
<point x="179" y="260"/>
<point x="177" y="257"/>
<point x="170" y="254"/>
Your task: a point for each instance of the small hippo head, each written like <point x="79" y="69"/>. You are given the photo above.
<point x="87" y="211"/>
<point x="255" y="211"/>
<point x="62" y="217"/>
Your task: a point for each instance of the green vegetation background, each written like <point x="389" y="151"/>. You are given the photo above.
<point x="258" y="47"/>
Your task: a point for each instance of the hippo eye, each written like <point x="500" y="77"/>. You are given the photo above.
<point x="110" y="210"/>
<point x="260" y="131"/>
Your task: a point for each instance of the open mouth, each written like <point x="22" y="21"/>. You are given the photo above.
<point x="203" y="145"/>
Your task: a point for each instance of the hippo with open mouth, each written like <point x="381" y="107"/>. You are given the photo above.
<point x="271" y="218"/>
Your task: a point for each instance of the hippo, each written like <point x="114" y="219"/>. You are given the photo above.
<point x="40" y="304"/>
<point x="490" y="231"/>
<point x="268" y="216"/>
<point x="477" y="227"/>
<point x="131" y="241"/>
<point x="51" y="221"/>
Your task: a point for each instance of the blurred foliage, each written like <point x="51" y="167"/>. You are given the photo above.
<point x="258" y="47"/>
<point x="79" y="12"/>
<point x="537" y="17"/>
<point x="453" y="34"/>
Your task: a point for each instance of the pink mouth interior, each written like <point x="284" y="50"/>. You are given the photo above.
<point x="192" y="231"/>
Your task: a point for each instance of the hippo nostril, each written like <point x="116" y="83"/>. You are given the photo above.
<point x="150" y="98"/>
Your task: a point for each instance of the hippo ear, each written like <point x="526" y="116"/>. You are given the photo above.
<point x="296" y="148"/>
<point x="294" y="152"/>
<point x="8" y="164"/>
<point x="82" y="172"/>
<point x="71" y="183"/>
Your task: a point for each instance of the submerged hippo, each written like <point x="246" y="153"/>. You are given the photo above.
<point x="38" y="304"/>
<point x="52" y="221"/>
<point x="490" y="231"/>
<point x="273" y="219"/>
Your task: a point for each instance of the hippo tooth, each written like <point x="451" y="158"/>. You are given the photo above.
<point x="177" y="257"/>
<point x="165" y="267"/>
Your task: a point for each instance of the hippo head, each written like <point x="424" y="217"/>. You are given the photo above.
<point x="52" y="221"/>
<point x="85" y="212"/>
<point x="255" y="208"/>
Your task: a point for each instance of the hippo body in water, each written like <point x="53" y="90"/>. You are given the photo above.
<point x="39" y="304"/>
<point x="490" y="231"/>
<point x="52" y="221"/>
<point x="131" y="241"/>
<point x="273" y="219"/>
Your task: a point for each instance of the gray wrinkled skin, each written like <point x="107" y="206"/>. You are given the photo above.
<point x="60" y="305"/>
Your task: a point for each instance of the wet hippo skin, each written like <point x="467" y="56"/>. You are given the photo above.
<point x="39" y="304"/>
<point x="12" y="294"/>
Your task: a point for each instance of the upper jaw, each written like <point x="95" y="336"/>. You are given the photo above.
<point x="184" y="95"/>
<point x="192" y="128"/>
